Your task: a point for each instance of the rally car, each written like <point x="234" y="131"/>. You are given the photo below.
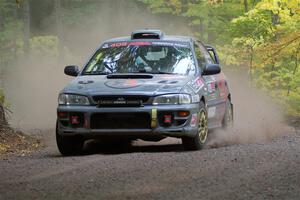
<point x="146" y="86"/>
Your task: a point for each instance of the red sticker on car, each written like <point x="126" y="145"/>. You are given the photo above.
<point x="197" y="84"/>
<point x="130" y="83"/>
<point x="139" y="43"/>
<point x="124" y="44"/>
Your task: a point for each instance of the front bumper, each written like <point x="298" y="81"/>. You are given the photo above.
<point x="186" y="127"/>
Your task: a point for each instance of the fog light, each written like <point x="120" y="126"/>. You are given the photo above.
<point x="183" y="113"/>
<point x="62" y="115"/>
<point x="167" y="119"/>
<point x="74" y="120"/>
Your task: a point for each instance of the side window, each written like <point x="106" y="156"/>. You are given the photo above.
<point x="212" y="56"/>
<point x="200" y="56"/>
<point x="207" y="55"/>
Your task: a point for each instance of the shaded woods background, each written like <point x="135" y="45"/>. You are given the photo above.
<point x="41" y="37"/>
<point x="37" y="38"/>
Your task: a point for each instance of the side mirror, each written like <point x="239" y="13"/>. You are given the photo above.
<point x="72" y="70"/>
<point x="211" y="69"/>
<point x="212" y="51"/>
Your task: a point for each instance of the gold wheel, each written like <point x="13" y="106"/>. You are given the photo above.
<point x="202" y="127"/>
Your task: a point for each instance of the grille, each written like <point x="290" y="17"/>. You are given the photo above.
<point x="120" y="101"/>
<point x="120" y="121"/>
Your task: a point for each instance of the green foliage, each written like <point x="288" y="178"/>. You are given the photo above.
<point x="10" y="32"/>
<point x="260" y="35"/>
<point x="271" y="29"/>
<point x="211" y="18"/>
<point x="263" y="36"/>
<point x="44" y="46"/>
<point x="166" y="6"/>
<point x="76" y="12"/>
<point x="2" y="97"/>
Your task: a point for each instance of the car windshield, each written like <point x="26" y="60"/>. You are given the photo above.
<point x="142" y="57"/>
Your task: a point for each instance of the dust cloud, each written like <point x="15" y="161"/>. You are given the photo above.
<point x="32" y="86"/>
<point x="257" y="118"/>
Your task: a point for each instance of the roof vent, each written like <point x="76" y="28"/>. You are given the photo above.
<point x="147" y="34"/>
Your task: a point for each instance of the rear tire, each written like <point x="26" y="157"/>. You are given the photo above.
<point x="197" y="142"/>
<point x="69" y="145"/>
<point x="228" y="116"/>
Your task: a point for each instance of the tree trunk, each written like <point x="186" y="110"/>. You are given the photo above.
<point x="294" y="72"/>
<point x="201" y="29"/>
<point x="210" y="34"/>
<point x="59" y="31"/>
<point x="1" y="21"/>
<point x="275" y="16"/>
<point x="26" y="20"/>
<point x="251" y="65"/>
<point x="246" y="7"/>
<point x="3" y="121"/>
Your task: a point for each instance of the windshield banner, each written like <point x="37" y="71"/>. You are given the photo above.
<point x="124" y="44"/>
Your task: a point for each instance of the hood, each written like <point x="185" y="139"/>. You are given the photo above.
<point x="146" y="84"/>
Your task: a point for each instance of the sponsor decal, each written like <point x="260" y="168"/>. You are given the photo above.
<point x="130" y="83"/>
<point x="222" y="88"/>
<point x="123" y="84"/>
<point x="197" y="84"/>
<point x="167" y="76"/>
<point x="105" y="46"/>
<point x="120" y="101"/>
<point x="86" y="82"/>
<point x="195" y="98"/>
<point x="211" y="87"/>
<point x="211" y="112"/>
<point x="209" y="79"/>
<point x="124" y="44"/>
<point x="177" y="44"/>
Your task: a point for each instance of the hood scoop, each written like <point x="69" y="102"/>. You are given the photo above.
<point x="129" y="76"/>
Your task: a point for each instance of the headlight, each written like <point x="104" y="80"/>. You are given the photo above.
<point x="72" y="99"/>
<point x="172" y="99"/>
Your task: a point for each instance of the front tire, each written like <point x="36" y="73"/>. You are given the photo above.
<point x="69" y="145"/>
<point x="197" y="142"/>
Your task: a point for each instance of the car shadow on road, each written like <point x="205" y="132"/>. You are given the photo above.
<point x="96" y="147"/>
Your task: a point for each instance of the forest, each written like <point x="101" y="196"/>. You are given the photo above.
<point x="261" y="37"/>
<point x="138" y="133"/>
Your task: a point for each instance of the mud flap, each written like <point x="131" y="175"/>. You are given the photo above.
<point x="232" y="113"/>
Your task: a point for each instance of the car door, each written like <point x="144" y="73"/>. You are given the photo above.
<point x="216" y="91"/>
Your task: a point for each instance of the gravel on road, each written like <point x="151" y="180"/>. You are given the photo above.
<point x="268" y="170"/>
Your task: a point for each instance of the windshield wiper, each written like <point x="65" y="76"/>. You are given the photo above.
<point x="140" y="71"/>
<point x="155" y="72"/>
<point x="160" y="72"/>
<point x="96" y="73"/>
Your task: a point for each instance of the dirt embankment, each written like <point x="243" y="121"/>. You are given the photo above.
<point x="14" y="142"/>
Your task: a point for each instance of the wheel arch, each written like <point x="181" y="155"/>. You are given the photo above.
<point x="229" y="97"/>
<point x="232" y="108"/>
<point x="202" y="99"/>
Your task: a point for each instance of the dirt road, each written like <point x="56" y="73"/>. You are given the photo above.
<point x="251" y="165"/>
<point x="267" y="170"/>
